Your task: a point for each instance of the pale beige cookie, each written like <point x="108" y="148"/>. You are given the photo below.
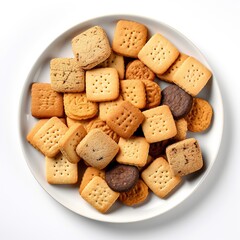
<point x="49" y="135"/>
<point x="100" y="124"/>
<point x="88" y="175"/>
<point x="66" y="75"/>
<point x="60" y="171"/>
<point x="106" y="107"/>
<point x="129" y="38"/>
<point x="184" y="157"/>
<point x="192" y="76"/>
<point x="158" y="54"/>
<point x="78" y="107"/>
<point x="200" y="116"/>
<point x="136" y="195"/>
<point x="182" y="129"/>
<point x="137" y="70"/>
<point x="153" y="94"/>
<point x="115" y="61"/>
<point x="133" y="151"/>
<point x="158" y="124"/>
<point x="91" y="47"/>
<point x="102" y="84"/>
<point x="133" y="91"/>
<point x="68" y="143"/>
<point x="45" y="102"/>
<point x="97" y="149"/>
<point x="98" y="194"/>
<point x="125" y="119"/>
<point x="159" y="178"/>
<point x="168" y="75"/>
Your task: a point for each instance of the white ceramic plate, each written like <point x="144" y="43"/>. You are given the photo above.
<point x="68" y="196"/>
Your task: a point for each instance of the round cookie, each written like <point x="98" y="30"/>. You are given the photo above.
<point x="122" y="178"/>
<point x="200" y="116"/>
<point x="158" y="148"/>
<point x="178" y="101"/>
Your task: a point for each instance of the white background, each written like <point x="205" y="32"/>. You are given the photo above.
<point x="27" y="211"/>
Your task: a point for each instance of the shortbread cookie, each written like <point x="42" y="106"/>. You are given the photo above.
<point x="99" y="195"/>
<point x="125" y="120"/>
<point x="133" y="91"/>
<point x="60" y="171"/>
<point x="182" y="129"/>
<point x="135" y="195"/>
<point x="91" y="47"/>
<point x="97" y="149"/>
<point x="115" y="61"/>
<point x="168" y="75"/>
<point x="102" y="84"/>
<point x="66" y="75"/>
<point x="106" y="107"/>
<point x="68" y="143"/>
<point x="184" y="157"/>
<point x="129" y="38"/>
<point x="178" y="101"/>
<point x="133" y="151"/>
<point x="137" y="70"/>
<point x="88" y="175"/>
<point x="159" y="124"/>
<point x="122" y="178"/>
<point x="153" y="94"/>
<point x="49" y="135"/>
<point x="157" y="149"/>
<point x="159" y="178"/>
<point x="78" y="107"/>
<point x="100" y="124"/>
<point x="45" y="102"/>
<point x="158" y="54"/>
<point x="200" y="117"/>
<point x="192" y="76"/>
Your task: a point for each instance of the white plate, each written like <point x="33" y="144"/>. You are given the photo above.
<point x="68" y="196"/>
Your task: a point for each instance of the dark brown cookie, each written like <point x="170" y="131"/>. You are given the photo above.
<point x="122" y="178"/>
<point x="178" y="101"/>
<point x="158" y="148"/>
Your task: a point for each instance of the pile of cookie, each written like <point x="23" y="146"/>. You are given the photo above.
<point x="105" y="107"/>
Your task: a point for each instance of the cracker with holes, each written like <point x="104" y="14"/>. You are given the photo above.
<point x="133" y="91"/>
<point x="66" y="75"/>
<point x="45" y="102"/>
<point x="102" y="84"/>
<point x="129" y="38"/>
<point x="49" y="135"/>
<point x="60" y="171"/>
<point x="98" y="194"/>
<point x="125" y="120"/>
<point x="137" y="70"/>
<point x="192" y="76"/>
<point x="68" y="143"/>
<point x="159" y="178"/>
<point x="78" y="107"/>
<point x="158" y="54"/>
<point x="97" y="149"/>
<point x="159" y="124"/>
<point x="184" y="157"/>
<point x="133" y="151"/>
<point x="91" y="47"/>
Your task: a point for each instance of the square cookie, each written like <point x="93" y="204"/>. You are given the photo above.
<point x="66" y="75"/>
<point x="102" y="84"/>
<point x="133" y="151"/>
<point x="91" y="47"/>
<point x="97" y="149"/>
<point x="159" y="124"/>
<point x="129" y="38"/>
<point x="45" y="102"/>
<point x="125" y="119"/>
<point x="184" y="157"/>
<point x="159" y="178"/>
<point x="158" y="54"/>
<point x="60" y="171"/>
